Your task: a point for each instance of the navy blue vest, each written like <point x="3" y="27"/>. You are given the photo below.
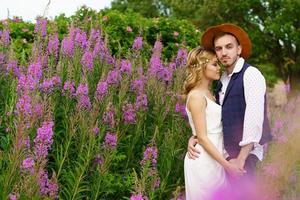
<point x="233" y="112"/>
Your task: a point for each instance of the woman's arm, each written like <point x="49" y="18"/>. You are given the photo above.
<point x="197" y="105"/>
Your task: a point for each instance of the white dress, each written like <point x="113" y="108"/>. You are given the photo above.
<point x="205" y="175"/>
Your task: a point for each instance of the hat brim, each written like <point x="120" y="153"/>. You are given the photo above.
<point x="208" y="37"/>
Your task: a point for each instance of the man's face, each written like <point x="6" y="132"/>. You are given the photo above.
<point x="227" y="50"/>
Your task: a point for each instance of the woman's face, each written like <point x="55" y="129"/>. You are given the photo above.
<point x="213" y="70"/>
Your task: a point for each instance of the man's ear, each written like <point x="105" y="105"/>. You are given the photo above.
<point x="239" y="50"/>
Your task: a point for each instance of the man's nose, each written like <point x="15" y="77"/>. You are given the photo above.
<point x="224" y="52"/>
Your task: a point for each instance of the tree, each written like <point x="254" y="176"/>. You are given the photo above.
<point x="147" y="8"/>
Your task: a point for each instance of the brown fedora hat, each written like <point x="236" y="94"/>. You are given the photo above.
<point x="209" y="35"/>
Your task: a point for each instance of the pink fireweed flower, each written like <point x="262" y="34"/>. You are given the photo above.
<point x="12" y="67"/>
<point x="84" y="102"/>
<point x="80" y="39"/>
<point x="156" y="183"/>
<point x="137" y="85"/>
<point x="67" y="46"/>
<point x="98" y="160"/>
<point x="165" y="74"/>
<point x="82" y="89"/>
<point x="53" y="45"/>
<point x="5" y="38"/>
<point x="138" y="43"/>
<point x="141" y="102"/>
<point x="180" y="108"/>
<point x="126" y="67"/>
<point x="50" y="84"/>
<point x="24" y="106"/>
<point x="43" y="140"/>
<point x="35" y="71"/>
<point x="12" y="197"/>
<point x="28" y="165"/>
<point x="110" y="140"/>
<point x="68" y="89"/>
<point x="96" y="131"/>
<point x="25" y="84"/>
<point x="101" y="90"/>
<point x="38" y="110"/>
<point x="150" y="154"/>
<point x="129" y="114"/>
<point x="40" y="27"/>
<point x="181" y="57"/>
<point x="43" y="182"/>
<point x="138" y="197"/>
<point x="2" y="59"/>
<point x="108" y="117"/>
<point x="47" y="187"/>
<point x="128" y="29"/>
<point x="52" y="189"/>
<point x="87" y="60"/>
<point x="113" y="77"/>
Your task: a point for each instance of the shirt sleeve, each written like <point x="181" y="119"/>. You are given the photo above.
<point x="254" y="91"/>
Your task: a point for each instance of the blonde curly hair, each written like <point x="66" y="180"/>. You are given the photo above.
<point x="197" y="60"/>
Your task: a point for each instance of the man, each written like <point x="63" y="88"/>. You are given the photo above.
<point x="242" y="92"/>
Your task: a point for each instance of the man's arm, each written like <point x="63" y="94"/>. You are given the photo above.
<point x="254" y="90"/>
<point x="193" y="153"/>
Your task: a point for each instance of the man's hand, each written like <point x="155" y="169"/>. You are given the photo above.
<point x="233" y="170"/>
<point x="193" y="153"/>
<point x="238" y="163"/>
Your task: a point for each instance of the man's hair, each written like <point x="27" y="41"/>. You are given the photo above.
<point x="218" y="35"/>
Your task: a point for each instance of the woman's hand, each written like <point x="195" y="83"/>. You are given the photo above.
<point x="234" y="170"/>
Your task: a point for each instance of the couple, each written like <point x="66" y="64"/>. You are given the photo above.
<point x="230" y="126"/>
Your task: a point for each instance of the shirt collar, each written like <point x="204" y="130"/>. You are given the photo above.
<point x="238" y="67"/>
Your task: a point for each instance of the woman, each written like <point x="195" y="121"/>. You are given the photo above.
<point x="206" y="173"/>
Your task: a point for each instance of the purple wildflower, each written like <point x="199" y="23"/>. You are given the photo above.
<point x="80" y="39"/>
<point x="98" y="160"/>
<point x="181" y="57"/>
<point x="5" y="37"/>
<point x="69" y="89"/>
<point x="24" y="105"/>
<point x="96" y="131"/>
<point x="108" y="117"/>
<point x="67" y="47"/>
<point x="82" y="89"/>
<point x="180" y="108"/>
<point x="43" y="182"/>
<point x="84" y="102"/>
<point x="47" y="187"/>
<point x="136" y="197"/>
<point x="38" y="110"/>
<point x="113" y="77"/>
<point x="87" y="60"/>
<point x="137" y="85"/>
<point x="110" y="140"/>
<point x="126" y="67"/>
<point x="138" y="43"/>
<point x="129" y="114"/>
<point x="52" y="189"/>
<point x="40" y="27"/>
<point x="150" y="154"/>
<point x="43" y="139"/>
<point x="165" y="74"/>
<point x="13" y="197"/>
<point x="28" y="165"/>
<point x="35" y="71"/>
<point x="141" y="102"/>
<point x="101" y="91"/>
<point x="53" y="45"/>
